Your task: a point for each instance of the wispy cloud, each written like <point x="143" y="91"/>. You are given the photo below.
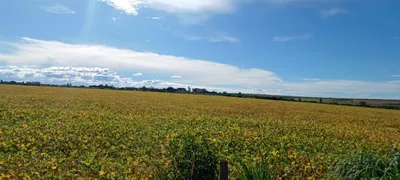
<point x="114" y="19"/>
<point x="193" y="11"/>
<point x="395" y="82"/>
<point x="292" y="38"/>
<point x="333" y="12"/>
<point x="396" y="38"/>
<point x="229" y="39"/>
<point x="138" y="74"/>
<point x="311" y="79"/>
<point x="155" y="18"/>
<point x="213" y="39"/>
<point x="193" y="38"/>
<point x="58" y="9"/>
<point x="176" y="77"/>
<point x="397" y="76"/>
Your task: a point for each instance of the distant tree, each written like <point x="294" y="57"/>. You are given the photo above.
<point x="224" y="93"/>
<point x="363" y="103"/>
<point x="171" y="89"/>
<point x="320" y="100"/>
<point x="1" y="81"/>
<point x="300" y="99"/>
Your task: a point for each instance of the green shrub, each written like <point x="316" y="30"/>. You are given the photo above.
<point x="193" y="157"/>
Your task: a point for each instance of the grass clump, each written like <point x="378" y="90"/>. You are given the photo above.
<point x="365" y="165"/>
<point x="255" y="170"/>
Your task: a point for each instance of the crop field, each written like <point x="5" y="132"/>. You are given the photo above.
<point x="48" y="132"/>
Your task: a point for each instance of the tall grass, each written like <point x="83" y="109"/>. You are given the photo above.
<point x="257" y="170"/>
<point x="365" y="165"/>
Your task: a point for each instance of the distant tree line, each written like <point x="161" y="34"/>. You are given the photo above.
<point x="195" y="91"/>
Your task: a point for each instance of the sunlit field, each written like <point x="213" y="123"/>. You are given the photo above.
<point x="48" y="132"/>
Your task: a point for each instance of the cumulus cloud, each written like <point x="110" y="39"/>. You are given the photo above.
<point x="127" y="6"/>
<point x="84" y="76"/>
<point x="58" y="9"/>
<point x="332" y="12"/>
<point x="137" y="74"/>
<point x="176" y="77"/>
<point x="292" y="38"/>
<point x="114" y="19"/>
<point x="58" y="62"/>
<point x="59" y="74"/>
<point x="76" y="76"/>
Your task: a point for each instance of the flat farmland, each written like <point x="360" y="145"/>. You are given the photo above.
<point x="49" y="132"/>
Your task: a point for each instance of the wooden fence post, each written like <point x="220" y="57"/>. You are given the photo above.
<point x="223" y="171"/>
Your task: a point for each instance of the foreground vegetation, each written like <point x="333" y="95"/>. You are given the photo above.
<point x="48" y="132"/>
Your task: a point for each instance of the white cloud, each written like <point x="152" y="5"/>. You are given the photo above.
<point x="172" y="6"/>
<point x="196" y="9"/>
<point x="229" y="39"/>
<point x="176" y="77"/>
<point x="292" y="38"/>
<point x="95" y="64"/>
<point x="58" y="74"/>
<point x="344" y="87"/>
<point x="138" y="74"/>
<point x="39" y="52"/>
<point x="332" y="12"/>
<point x="114" y="19"/>
<point x="58" y="9"/>
<point x="155" y="18"/>
<point x="311" y="79"/>
<point x="127" y="6"/>
<point x="214" y="39"/>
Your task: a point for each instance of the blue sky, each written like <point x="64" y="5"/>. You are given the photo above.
<point x="330" y="48"/>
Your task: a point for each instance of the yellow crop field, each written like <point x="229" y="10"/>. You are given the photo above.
<point x="48" y="132"/>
